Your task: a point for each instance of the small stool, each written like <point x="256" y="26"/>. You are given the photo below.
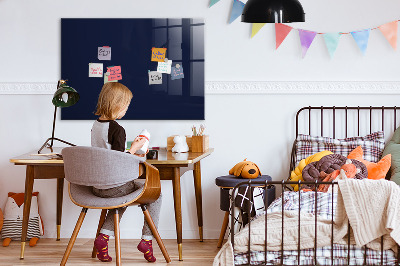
<point x="226" y="183"/>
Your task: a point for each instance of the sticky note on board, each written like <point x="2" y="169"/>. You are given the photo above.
<point x="104" y="53"/>
<point x="106" y="75"/>
<point x="177" y="72"/>
<point x="158" y="54"/>
<point x="115" y="73"/>
<point x="164" y="67"/>
<point x="95" y="70"/>
<point x="155" y="77"/>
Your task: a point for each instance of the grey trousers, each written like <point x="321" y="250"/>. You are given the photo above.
<point x="153" y="208"/>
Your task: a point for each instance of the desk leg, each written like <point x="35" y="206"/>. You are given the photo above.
<point x="60" y="190"/>
<point x="27" y="206"/>
<point x="176" y="182"/>
<point x="197" y="189"/>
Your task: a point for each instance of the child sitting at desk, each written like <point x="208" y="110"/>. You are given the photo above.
<point x="114" y="100"/>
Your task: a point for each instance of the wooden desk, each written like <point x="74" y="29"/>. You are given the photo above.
<point x="171" y="167"/>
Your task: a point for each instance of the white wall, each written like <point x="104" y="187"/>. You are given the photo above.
<point x="259" y="127"/>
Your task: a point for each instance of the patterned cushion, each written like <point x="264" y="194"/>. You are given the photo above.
<point x="372" y="144"/>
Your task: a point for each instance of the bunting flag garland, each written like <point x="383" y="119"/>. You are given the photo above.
<point x="306" y="39"/>
<point x="389" y="30"/>
<point x="256" y="27"/>
<point x="332" y="41"/>
<point x="237" y="9"/>
<point x="281" y="31"/>
<point x="213" y="2"/>
<point x="361" y="37"/>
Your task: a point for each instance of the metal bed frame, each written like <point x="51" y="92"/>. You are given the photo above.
<point x="284" y="183"/>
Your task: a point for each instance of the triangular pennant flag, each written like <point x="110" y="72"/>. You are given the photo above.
<point x="256" y="28"/>
<point x="213" y="2"/>
<point x="306" y="38"/>
<point x="281" y="31"/>
<point x="332" y="41"/>
<point x="237" y="9"/>
<point x="361" y="37"/>
<point x="390" y="32"/>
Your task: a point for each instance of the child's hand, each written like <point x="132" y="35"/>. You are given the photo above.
<point x="143" y="155"/>
<point x="137" y="144"/>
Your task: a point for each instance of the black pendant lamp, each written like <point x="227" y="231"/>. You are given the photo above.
<point x="273" y="11"/>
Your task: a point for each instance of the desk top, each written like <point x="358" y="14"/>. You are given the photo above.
<point x="164" y="157"/>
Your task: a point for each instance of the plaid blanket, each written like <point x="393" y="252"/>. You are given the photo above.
<point x="323" y="205"/>
<point x="307" y="202"/>
<point x="324" y="257"/>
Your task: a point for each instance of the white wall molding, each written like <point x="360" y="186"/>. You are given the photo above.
<point x="303" y="87"/>
<point x="28" y="88"/>
<point x="248" y="87"/>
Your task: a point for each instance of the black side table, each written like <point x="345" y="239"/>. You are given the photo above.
<point x="226" y="183"/>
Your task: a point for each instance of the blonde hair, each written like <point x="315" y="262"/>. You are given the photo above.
<point x="113" y="98"/>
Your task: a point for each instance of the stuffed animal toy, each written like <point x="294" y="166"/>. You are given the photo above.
<point x="180" y="144"/>
<point x="13" y="215"/>
<point x="1" y="220"/>
<point x="375" y="170"/>
<point x="245" y="169"/>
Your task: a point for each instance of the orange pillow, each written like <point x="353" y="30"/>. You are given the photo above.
<point x="375" y="170"/>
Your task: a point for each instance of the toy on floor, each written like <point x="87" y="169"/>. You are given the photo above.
<point x="13" y="215"/>
<point x="245" y="169"/>
<point x="1" y="219"/>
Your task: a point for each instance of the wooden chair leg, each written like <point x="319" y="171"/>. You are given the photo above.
<point x="73" y="237"/>
<point x="154" y="230"/>
<point x="117" y="238"/>
<point x="223" y="229"/>
<point x="101" y="222"/>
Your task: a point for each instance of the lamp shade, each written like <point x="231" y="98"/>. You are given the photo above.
<point x="65" y="96"/>
<point x="273" y="11"/>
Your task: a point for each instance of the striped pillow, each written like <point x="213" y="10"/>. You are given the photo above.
<point x="372" y="145"/>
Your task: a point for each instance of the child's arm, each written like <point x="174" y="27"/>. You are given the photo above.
<point x="136" y="145"/>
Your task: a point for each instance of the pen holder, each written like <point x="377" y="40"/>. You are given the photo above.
<point x="200" y="143"/>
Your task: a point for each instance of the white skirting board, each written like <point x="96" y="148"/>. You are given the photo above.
<point x="247" y="87"/>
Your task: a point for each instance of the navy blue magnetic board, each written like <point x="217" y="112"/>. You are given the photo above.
<point x="131" y="41"/>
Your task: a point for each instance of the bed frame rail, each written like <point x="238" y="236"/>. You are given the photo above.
<point x="331" y="121"/>
<point x="265" y="185"/>
<point x="343" y="118"/>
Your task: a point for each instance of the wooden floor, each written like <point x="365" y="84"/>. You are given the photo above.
<point x="50" y="252"/>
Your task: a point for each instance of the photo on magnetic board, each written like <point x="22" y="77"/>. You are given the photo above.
<point x="132" y="42"/>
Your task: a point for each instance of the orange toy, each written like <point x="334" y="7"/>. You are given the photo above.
<point x="12" y="222"/>
<point x="375" y="170"/>
<point x="245" y="169"/>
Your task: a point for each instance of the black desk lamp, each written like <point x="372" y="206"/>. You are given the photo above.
<point x="273" y="11"/>
<point x="65" y="96"/>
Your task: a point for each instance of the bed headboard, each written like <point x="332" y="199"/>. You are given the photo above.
<point x="344" y="121"/>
